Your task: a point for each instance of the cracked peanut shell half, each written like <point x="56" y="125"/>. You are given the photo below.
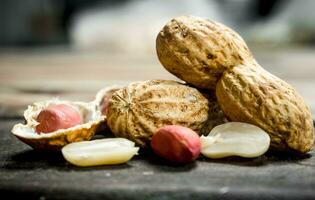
<point x="253" y="95"/>
<point x="91" y="120"/>
<point x="135" y="112"/>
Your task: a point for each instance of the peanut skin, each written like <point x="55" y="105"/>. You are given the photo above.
<point x="55" y="117"/>
<point x="176" y="144"/>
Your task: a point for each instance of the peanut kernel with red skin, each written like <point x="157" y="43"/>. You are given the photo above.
<point x="176" y="143"/>
<point x="56" y="117"/>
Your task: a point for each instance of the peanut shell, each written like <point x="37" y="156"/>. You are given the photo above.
<point x="138" y="110"/>
<point x="198" y="51"/>
<point x="251" y="94"/>
<point x="92" y="119"/>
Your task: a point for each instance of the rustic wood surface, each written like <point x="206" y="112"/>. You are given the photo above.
<point x="30" y="174"/>
<point x="29" y="76"/>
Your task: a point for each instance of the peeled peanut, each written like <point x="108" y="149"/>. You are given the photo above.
<point x="108" y="151"/>
<point x="176" y="143"/>
<point x="55" y="117"/>
<point x="235" y="139"/>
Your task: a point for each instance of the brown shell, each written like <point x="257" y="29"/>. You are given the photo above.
<point x="57" y="139"/>
<point x="198" y="51"/>
<point x="56" y="142"/>
<point x="138" y="110"/>
<point x="251" y="94"/>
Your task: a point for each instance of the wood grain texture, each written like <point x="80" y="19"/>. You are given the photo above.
<point x="30" y="174"/>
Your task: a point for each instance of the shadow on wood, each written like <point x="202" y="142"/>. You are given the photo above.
<point x="34" y="159"/>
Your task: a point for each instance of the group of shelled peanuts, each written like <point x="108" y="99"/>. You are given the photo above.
<point x="223" y="82"/>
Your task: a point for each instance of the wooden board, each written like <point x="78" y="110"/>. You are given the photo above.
<point x="29" y="174"/>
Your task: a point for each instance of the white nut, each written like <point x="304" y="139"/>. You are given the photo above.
<point x="108" y="151"/>
<point x="235" y="139"/>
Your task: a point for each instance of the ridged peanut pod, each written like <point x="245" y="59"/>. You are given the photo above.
<point x="251" y="94"/>
<point x="198" y="51"/>
<point x="210" y="55"/>
<point x="138" y="110"/>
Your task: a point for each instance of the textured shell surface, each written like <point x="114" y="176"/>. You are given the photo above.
<point x="91" y="117"/>
<point x="251" y="94"/>
<point x="138" y="110"/>
<point x="198" y="51"/>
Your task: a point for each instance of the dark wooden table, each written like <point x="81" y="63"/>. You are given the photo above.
<point x="25" y="173"/>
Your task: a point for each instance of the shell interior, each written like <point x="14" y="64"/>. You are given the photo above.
<point x="89" y="114"/>
<point x="103" y="92"/>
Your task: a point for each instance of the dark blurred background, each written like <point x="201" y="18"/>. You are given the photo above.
<point x="73" y="48"/>
<point x="115" y="24"/>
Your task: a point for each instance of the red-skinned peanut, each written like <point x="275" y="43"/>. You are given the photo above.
<point x="55" y="117"/>
<point x="176" y="143"/>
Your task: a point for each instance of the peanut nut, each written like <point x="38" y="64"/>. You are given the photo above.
<point x="109" y="151"/>
<point x="235" y="139"/>
<point x="176" y="143"/>
<point x="55" y="117"/>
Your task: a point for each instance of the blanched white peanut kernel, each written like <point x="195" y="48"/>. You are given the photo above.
<point x="109" y="151"/>
<point x="235" y="139"/>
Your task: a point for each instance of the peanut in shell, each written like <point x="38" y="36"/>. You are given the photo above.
<point x="198" y="51"/>
<point x="253" y="95"/>
<point x="136" y="112"/>
<point x="210" y="55"/>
